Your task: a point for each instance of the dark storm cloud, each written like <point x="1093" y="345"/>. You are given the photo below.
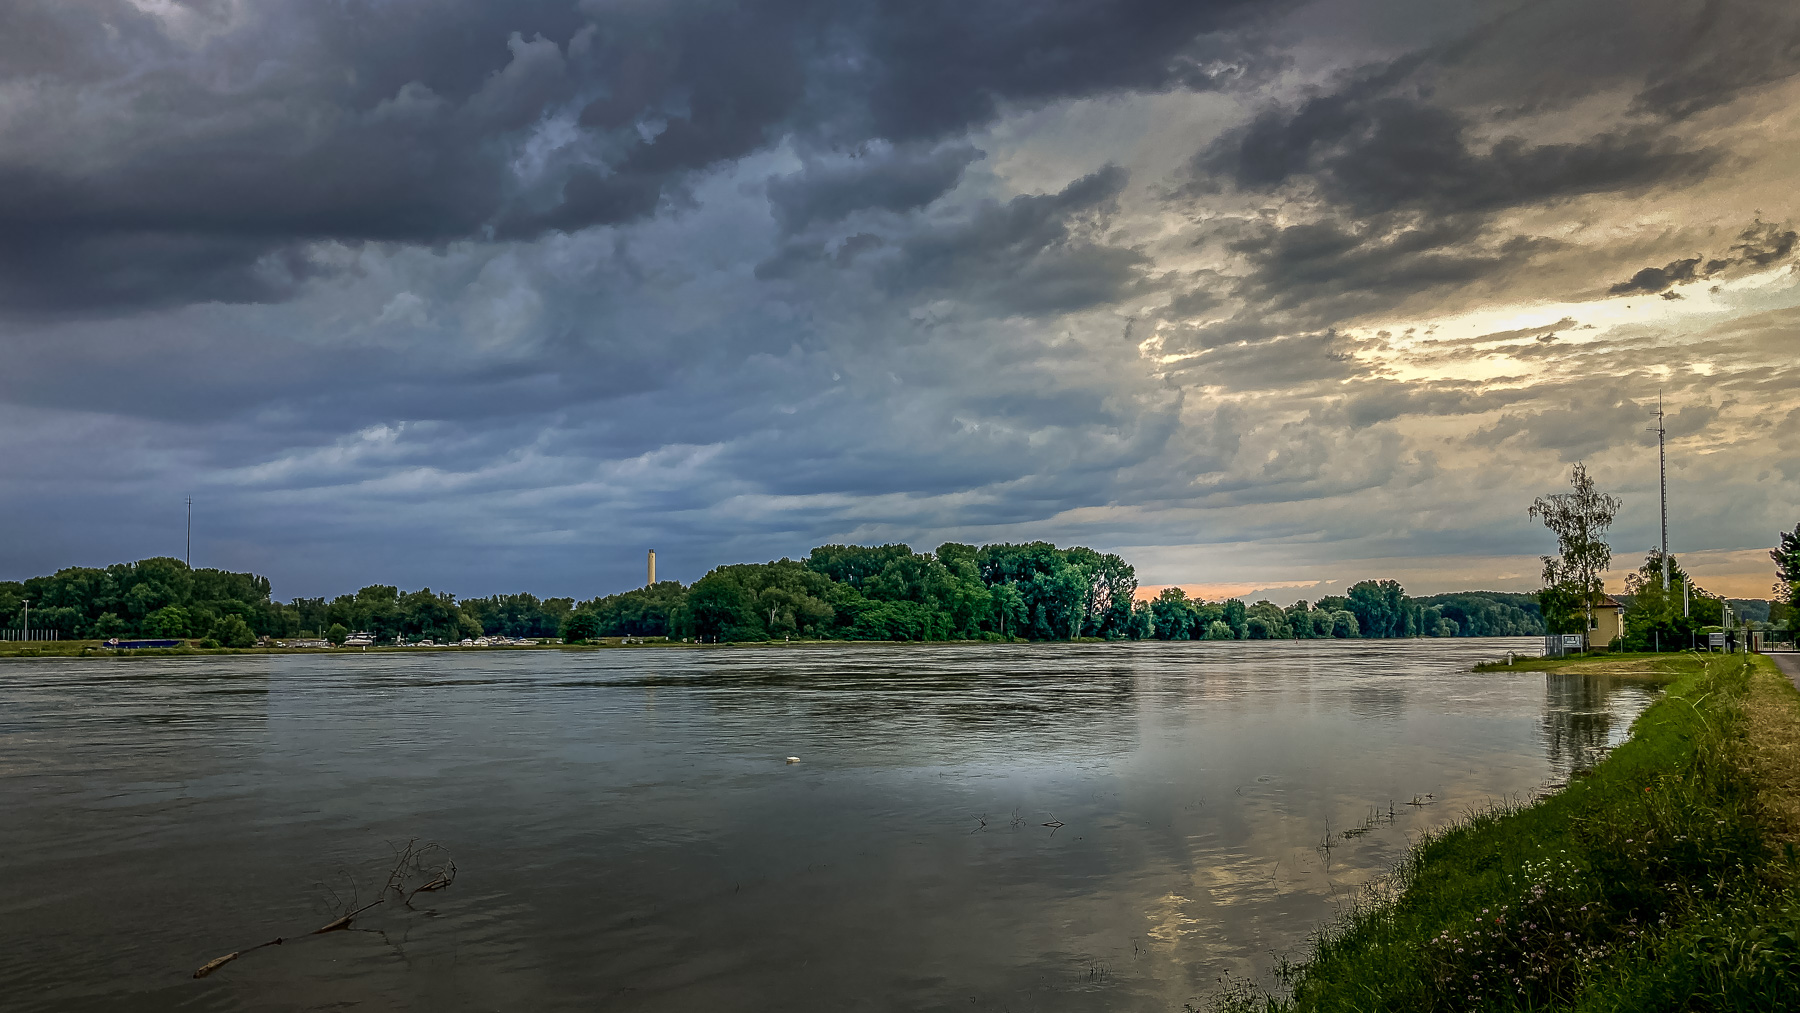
<point x="1372" y="154"/>
<point x="1656" y="279"/>
<point x="828" y="303"/>
<point x="898" y="179"/>
<point x="190" y="157"/>
<point x="1390" y="194"/>
<point x="1758" y="246"/>
<point x="942" y="65"/>
<point x="1029" y="255"/>
<point x="1723" y="48"/>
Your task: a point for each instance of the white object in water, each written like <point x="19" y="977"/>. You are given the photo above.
<point x="793" y="759"/>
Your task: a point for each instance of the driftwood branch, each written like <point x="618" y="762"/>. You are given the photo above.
<point x="427" y="865"/>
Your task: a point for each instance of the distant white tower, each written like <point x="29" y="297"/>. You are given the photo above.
<point x="651" y="570"/>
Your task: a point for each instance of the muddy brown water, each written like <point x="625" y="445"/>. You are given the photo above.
<point x="629" y="836"/>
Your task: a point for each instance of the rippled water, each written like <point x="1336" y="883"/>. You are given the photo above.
<point x="629" y="836"/>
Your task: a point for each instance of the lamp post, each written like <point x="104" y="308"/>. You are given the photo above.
<point x="25" y="623"/>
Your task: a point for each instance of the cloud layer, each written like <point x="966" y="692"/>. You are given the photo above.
<point x="497" y="295"/>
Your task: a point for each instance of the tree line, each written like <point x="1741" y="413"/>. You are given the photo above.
<point x="1029" y="591"/>
<point x="1370" y="608"/>
<point x="163" y="597"/>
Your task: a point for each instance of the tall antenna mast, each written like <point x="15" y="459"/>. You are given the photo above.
<point x="190" y="534"/>
<point x="1662" y="482"/>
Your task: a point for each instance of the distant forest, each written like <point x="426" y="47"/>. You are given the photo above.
<point x="1033" y="591"/>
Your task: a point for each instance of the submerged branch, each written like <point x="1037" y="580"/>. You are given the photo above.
<point x="428" y="865"/>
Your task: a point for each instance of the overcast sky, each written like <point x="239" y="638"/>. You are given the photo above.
<point x="493" y="296"/>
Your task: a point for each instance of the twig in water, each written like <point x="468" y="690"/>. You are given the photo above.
<point x="430" y="863"/>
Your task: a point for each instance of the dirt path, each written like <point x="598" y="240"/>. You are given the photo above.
<point x="1773" y="742"/>
<point x="1789" y="665"/>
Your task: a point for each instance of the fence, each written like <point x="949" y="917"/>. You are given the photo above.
<point x="25" y="634"/>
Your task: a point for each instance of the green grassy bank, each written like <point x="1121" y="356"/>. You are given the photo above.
<point x="1667" y="879"/>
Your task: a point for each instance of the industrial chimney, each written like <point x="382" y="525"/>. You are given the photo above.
<point x="650" y="569"/>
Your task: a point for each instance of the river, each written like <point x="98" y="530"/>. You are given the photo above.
<point x="981" y="827"/>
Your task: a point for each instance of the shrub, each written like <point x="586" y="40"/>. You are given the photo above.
<point x="232" y="631"/>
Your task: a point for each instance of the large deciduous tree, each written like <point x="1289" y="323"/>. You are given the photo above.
<point x="1787" y="566"/>
<point x="1572" y="578"/>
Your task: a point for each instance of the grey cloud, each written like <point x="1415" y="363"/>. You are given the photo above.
<point x="1723" y="48"/>
<point x="1026" y="255"/>
<point x="1382" y="400"/>
<point x="942" y="65"/>
<point x="1590" y="423"/>
<point x="899" y="179"/>
<point x="192" y="157"/>
<point x="1378" y="153"/>
<point x="1759" y="245"/>
<point x="546" y="404"/>
<point x="862" y="242"/>
<point x="1657" y="279"/>
<point x="1283" y="363"/>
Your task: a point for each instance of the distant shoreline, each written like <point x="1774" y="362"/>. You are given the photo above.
<point x="92" y="649"/>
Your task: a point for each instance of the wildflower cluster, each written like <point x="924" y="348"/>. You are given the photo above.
<point x="1534" y="948"/>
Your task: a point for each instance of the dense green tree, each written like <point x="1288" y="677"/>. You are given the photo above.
<point x="1653" y="615"/>
<point x="581" y="626"/>
<point x="854" y="564"/>
<point x="720" y="608"/>
<point x="1143" y="622"/>
<point x="641" y="612"/>
<point x="232" y="631"/>
<point x="1266" y="621"/>
<point x="1234" y="617"/>
<point x="1009" y="611"/>
<point x="337" y="634"/>
<point x="1172" y="616"/>
<point x="1380" y="607"/>
<point x="1485" y="614"/>
<point x="524" y="615"/>
<point x="1786" y="555"/>
<point x="169" y="621"/>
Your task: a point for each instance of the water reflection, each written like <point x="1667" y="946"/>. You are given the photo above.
<point x="1585" y="716"/>
<point x="629" y="834"/>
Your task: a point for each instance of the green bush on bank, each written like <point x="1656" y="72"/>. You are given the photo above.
<point x="1653" y="884"/>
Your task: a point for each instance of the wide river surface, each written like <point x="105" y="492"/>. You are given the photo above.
<point x="972" y="827"/>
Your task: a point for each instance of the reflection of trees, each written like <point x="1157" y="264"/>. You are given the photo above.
<point x="936" y="694"/>
<point x="1576" y="719"/>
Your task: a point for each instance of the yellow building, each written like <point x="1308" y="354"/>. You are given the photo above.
<point x="1607" y="624"/>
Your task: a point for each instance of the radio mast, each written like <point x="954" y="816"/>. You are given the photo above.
<point x="1662" y="482"/>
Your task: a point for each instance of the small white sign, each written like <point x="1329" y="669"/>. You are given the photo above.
<point x="1572" y="640"/>
<point x="1716" y="639"/>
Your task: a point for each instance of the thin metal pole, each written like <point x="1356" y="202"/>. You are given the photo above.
<point x="1662" y="482"/>
<point x="190" y="538"/>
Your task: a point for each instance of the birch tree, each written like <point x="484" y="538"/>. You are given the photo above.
<point x="1579" y="519"/>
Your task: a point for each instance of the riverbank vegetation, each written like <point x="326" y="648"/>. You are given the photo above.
<point x="1666" y="879"/>
<point x="1031" y="591"/>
